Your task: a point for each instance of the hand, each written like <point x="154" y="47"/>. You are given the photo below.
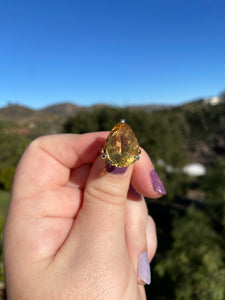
<point x="75" y="230"/>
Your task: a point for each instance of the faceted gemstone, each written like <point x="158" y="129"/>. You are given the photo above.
<point x="121" y="146"/>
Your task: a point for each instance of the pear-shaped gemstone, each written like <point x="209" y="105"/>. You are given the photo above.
<point x="121" y="146"/>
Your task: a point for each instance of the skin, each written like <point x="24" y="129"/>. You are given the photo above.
<point x="74" y="230"/>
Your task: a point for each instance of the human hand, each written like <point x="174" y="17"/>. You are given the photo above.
<point x="75" y="230"/>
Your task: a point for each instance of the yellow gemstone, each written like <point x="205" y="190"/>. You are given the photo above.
<point x="121" y="146"/>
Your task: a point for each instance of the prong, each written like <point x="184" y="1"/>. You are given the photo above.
<point x="137" y="157"/>
<point x="122" y="121"/>
<point x="104" y="155"/>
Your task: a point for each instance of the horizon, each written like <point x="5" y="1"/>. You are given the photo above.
<point x="103" y="104"/>
<point x="122" y="53"/>
<point x="36" y="106"/>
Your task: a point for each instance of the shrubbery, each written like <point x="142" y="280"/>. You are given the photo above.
<point x="6" y="178"/>
<point x="12" y="147"/>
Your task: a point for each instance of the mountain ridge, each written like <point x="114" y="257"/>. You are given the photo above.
<point x="24" y="114"/>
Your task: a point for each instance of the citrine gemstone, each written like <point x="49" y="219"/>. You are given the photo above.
<point x="121" y="146"/>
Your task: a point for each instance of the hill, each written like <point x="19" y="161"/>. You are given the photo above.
<point x="200" y="124"/>
<point x="62" y="109"/>
<point x="26" y="121"/>
<point x="18" y="113"/>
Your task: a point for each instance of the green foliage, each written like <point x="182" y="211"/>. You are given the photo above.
<point x="12" y="147"/>
<point x="4" y="202"/>
<point x="160" y="134"/>
<point x="206" y="122"/>
<point x="196" y="261"/>
<point x="2" y="222"/>
<point x="177" y="184"/>
<point x="214" y="186"/>
<point x="84" y="122"/>
<point x="6" y="178"/>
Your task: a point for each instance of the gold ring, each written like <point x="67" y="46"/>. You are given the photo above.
<point x="121" y="148"/>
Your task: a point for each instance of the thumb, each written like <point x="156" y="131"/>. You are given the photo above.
<point x="96" y="244"/>
<point x="101" y="217"/>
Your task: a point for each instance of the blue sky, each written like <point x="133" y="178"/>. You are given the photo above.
<point x="116" y="52"/>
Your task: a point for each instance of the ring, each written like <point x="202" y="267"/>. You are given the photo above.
<point x="121" y="148"/>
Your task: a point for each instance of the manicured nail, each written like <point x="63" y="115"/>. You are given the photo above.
<point x="115" y="170"/>
<point x="157" y="183"/>
<point x="144" y="272"/>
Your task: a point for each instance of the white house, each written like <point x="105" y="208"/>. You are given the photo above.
<point x="212" y="100"/>
<point x="195" y="169"/>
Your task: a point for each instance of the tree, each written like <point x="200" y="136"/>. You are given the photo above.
<point x="6" y="178"/>
<point x="195" y="262"/>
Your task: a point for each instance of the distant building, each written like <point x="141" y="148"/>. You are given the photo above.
<point x="195" y="169"/>
<point x="215" y="100"/>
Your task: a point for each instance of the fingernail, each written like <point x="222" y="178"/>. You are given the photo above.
<point x="144" y="272"/>
<point x="115" y="170"/>
<point x="157" y="183"/>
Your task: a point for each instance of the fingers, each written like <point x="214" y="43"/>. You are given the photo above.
<point x="72" y="150"/>
<point x="99" y="227"/>
<point x="105" y="196"/>
<point x="144" y="178"/>
<point x="151" y="237"/>
<point x="106" y="208"/>
<point x="135" y="228"/>
<point x="140" y="236"/>
<point x="47" y="161"/>
<point x="78" y="176"/>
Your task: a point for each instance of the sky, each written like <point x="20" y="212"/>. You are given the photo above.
<point x="114" y="52"/>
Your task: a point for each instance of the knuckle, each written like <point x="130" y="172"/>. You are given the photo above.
<point x="103" y="194"/>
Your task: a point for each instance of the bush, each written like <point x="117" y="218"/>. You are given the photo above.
<point x="2" y="222"/>
<point x="6" y="178"/>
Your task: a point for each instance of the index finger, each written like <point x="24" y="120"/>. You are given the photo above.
<point x="47" y="161"/>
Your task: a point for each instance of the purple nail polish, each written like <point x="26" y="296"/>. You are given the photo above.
<point x="144" y="272"/>
<point x="157" y="183"/>
<point x="115" y="170"/>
